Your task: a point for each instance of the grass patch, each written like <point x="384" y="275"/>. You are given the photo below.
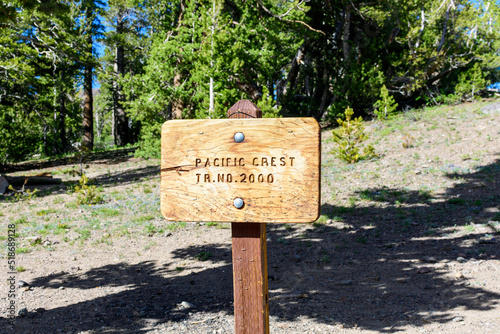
<point x="396" y="196"/>
<point x="218" y="225"/>
<point x="384" y="195"/>
<point x="21" y="221"/>
<point x="72" y="205"/>
<point x="152" y="229"/>
<point x="470" y="227"/>
<point x="343" y="210"/>
<point x="121" y="231"/>
<point x="45" y="212"/>
<point x="147" y="189"/>
<point x="22" y="250"/>
<point x="45" y="229"/>
<point x="73" y="171"/>
<point x="84" y="233"/>
<point x="425" y="193"/>
<point x="144" y="218"/>
<point x="203" y="256"/>
<point x="456" y="201"/>
<point x="117" y="195"/>
<point x="107" y="212"/>
<point x="321" y="221"/>
<point x="176" y="226"/>
<point x="58" y="200"/>
<point x="61" y="228"/>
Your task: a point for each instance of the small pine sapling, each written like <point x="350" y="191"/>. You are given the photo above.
<point x="471" y="82"/>
<point x="87" y="194"/>
<point x="348" y="137"/>
<point x="385" y="108"/>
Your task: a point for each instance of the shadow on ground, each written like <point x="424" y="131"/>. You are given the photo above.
<point x="363" y="268"/>
<point x="105" y="157"/>
<point x="128" y="176"/>
<point x="111" y="179"/>
<point x="151" y="292"/>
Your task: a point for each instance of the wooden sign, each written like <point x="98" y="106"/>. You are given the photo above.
<point x="241" y="170"/>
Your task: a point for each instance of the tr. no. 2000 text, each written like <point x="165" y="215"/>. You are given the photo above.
<point x="229" y="178"/>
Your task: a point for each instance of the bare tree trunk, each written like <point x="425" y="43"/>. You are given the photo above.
<point x="346" y="45"/>
<point x="289" y="82"/>
<point x="177" y="104"/>
<point x="212" y="98"/>
<point x="113" y="125"/>
<point x="324" y="97"/>
<point x="212" y="95"/>
<point x="443" y="34"/>
<point x="62" y="114"/>
<point x="120" y="117"/>
<point x="318" y="99"/>
<point x="88" y="110"/>
<point x="88" y="100"/>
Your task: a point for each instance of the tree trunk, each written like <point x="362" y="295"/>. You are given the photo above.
<point x="289" y="83"/>
<point x="443" y="34"/>
<point x="177" y="104"/>
<point x="121" y="119"/>
<point x="346" y="44"/>
<point x="62" y="113"/>
<point x="88" y="110"/>
<point x="318" y="99"/>
<point x="88" y="100"/>
<point x="324" y="98"/>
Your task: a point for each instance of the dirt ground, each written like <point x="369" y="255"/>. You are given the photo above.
<point x="407" y="242"/>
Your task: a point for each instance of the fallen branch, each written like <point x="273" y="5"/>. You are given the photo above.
<point x="31" y="180"/>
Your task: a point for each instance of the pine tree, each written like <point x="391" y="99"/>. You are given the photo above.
<point x="91" y="28"/>
<point x="40" y="70"/>
<point x="385" y="108"/>
<point x="125" y="54"/>
<point x="471" y="82"/>
<point x="349" y="136"/>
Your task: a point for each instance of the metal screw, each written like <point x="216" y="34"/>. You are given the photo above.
<point x="238" y="203"/>
<point x="239" y="137"/>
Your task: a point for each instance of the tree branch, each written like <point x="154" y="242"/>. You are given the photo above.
<point x="280" y="17"/>
<point x="282" y="88"/>
<point x="443" y="34"/>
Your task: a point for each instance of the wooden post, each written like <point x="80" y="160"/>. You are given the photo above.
<point x="248" y="171"/>
<point x="251" y="300"/>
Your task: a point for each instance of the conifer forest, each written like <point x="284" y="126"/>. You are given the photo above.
<point x="97" y="74"/>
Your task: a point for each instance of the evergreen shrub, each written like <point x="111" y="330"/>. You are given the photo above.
<point x="348" y="138"/>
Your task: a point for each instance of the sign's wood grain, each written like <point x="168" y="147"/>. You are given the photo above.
<point x="275" y="170"/>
